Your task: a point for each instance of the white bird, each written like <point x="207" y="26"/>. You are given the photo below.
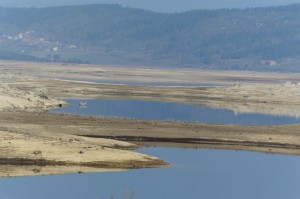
<point x="82" y="104"/>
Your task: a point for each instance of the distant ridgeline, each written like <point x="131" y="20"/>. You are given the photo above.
<point x="263" y="39"/>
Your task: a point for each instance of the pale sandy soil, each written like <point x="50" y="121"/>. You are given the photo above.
<point x="69" y="152"/>
<point x="274" y="139"/>
<point x="65" y="154"/>
<point x="276" y="99"/>
<point x="34" y="138"/>
<point x="145" y="74"/>
<point x="270" y="93"/>
<point x="12" y="98"/>
<point x="8" y="171"/>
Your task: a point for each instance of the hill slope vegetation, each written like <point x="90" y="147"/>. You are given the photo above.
<point x="248" y="39"/>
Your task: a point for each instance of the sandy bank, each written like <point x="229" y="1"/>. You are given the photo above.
<point x="277" y="99"/>
<point x="12" y="98"/>
<point x="277" y="139"/>
<point x="269" y="93"/>
<point x="34" y="138"/>
<point x="55" y="150"/>
<point x="50" y="153"/>
<point x="142" y="75"/>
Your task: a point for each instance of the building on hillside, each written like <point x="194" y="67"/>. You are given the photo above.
<point x="268" y="62"/>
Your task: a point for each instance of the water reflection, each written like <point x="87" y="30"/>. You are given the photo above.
<point x="7" y="171"/>
<point x="195" y="174"/>
<point x="138" y="83"/>
<point x="150" y="110"/>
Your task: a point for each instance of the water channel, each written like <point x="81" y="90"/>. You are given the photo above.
<point x="195" y="173"/>
<point x="150" y="110"/>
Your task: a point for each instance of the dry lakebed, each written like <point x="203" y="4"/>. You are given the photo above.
<point x="35" y="142"/>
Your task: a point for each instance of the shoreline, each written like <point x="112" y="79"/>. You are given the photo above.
<point x="24" y="122"/>
<point x="271" y="139"/>
<point x="275" y="99"/>
<point x="50" y="151"/>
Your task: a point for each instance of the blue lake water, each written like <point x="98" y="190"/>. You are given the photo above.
<point x="195" y="173"/>
<point x="149" y="110"/>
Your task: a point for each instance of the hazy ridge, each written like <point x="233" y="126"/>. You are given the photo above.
<point x="263" y="39"/>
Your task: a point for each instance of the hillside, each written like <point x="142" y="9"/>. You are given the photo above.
<point x="251" y="39"/>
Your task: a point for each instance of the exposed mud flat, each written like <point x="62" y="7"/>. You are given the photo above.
<point x="33" y="138"/>
<point x="246" y="92"/>
<point x="51" y="152"/>
<point x="143" y="74"/>
<point x="12" y="98"/>
<point x="275" y="99"/>
<point x="8" y="171"/>
<point x="272" y="139"/>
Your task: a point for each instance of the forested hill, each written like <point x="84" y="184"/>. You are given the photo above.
<point x="251" y="39"/>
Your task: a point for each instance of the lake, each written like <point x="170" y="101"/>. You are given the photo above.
<point x="195" y="173"/>
<point x="150" y="110"/>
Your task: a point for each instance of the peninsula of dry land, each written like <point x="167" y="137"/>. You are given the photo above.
<point x="46" y="143"/>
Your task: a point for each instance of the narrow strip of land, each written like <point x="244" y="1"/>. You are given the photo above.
<point x="279" y="139"/>
<point x="37" y="93"/>
<point x="145" y="75"/>
<point x="45" y="152"/>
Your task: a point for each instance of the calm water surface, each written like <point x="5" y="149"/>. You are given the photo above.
<point x="149" y="110"/>
<point x="195" y="173"/>
<point x="201" y="173"/>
